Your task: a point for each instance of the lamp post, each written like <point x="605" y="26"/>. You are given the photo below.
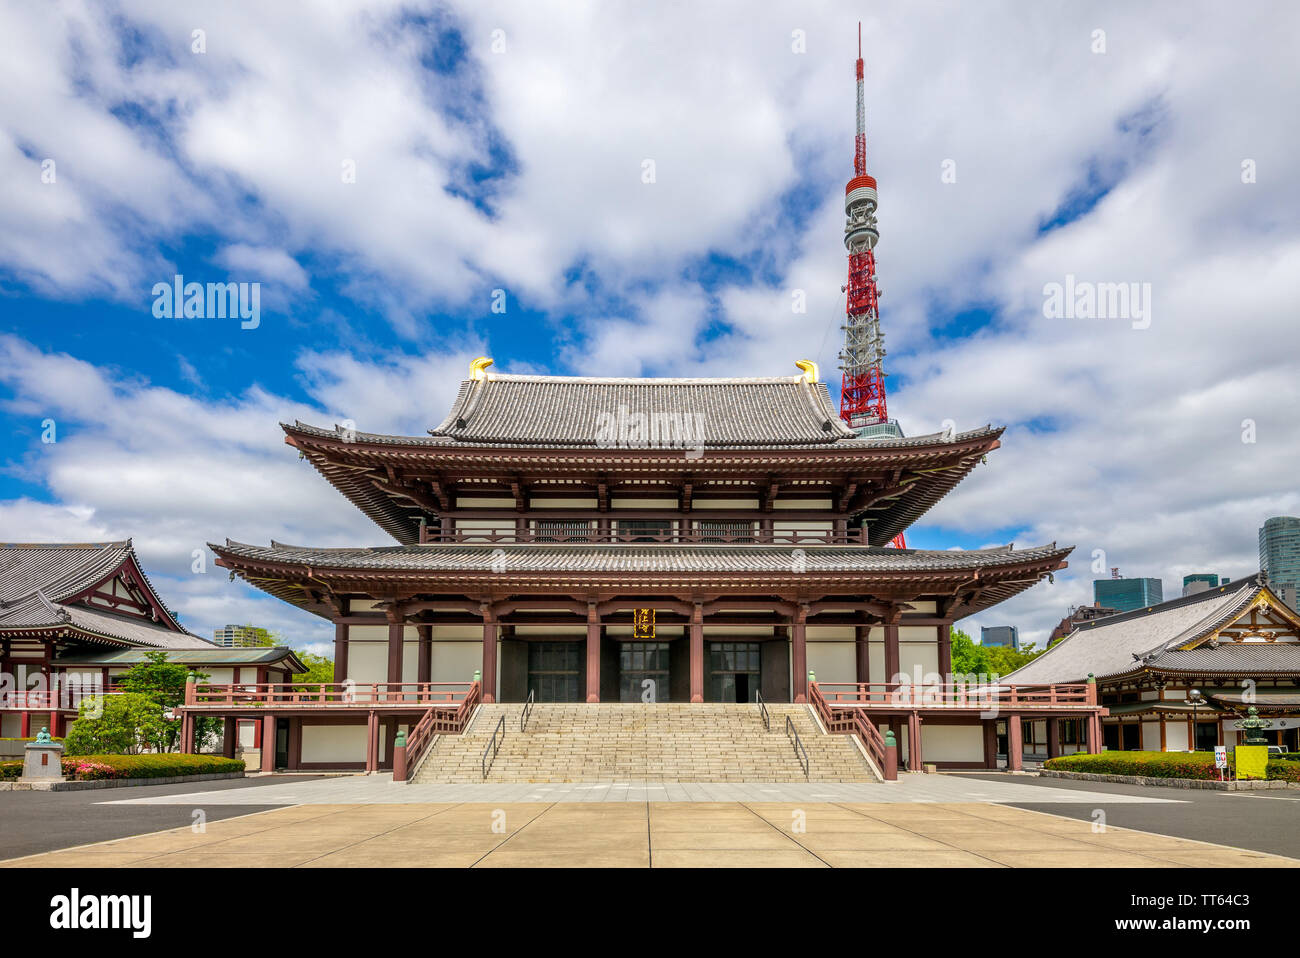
<point x="1194" y="699"/>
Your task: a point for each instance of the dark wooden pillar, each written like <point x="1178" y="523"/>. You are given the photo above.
<point x="862" y="648"/>
<point x="372" y="742"/>
<point x="25" y="724"/>
<point x="1015" y="744"/>
<point x="990" y="743"/>
<point x="593" y="652"/>
<point x="229" y="726"/>
<point x="268" y="743"/>
<point x="799" y="653"/>
<point x="424" y="668"/>
<point x="1054" y="737"/>
<point x="914" y="741"/>
<point x="945" y="652"/>
<point x="891" y="653"/>
<point x="396" y="641"/>
<point x="340" y="651"/>
<point x="489" y="652"/>
<point x="697" y="652"/>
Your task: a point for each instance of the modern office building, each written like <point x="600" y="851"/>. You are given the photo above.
<point x="1279" y="556"/>
<point x="1127" y="594"/>
<point x="1000" y="635"/>
<point x="1200" y="582"/>
<point x="242" y="637"/>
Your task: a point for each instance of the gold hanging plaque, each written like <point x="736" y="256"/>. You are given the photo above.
<point x="643" y="624"/>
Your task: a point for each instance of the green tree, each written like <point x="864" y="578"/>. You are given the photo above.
<point x="320" y="668"/>
<point x="1006" y="660"/>
<point x="143" y="716"/>
<point x="967" y="657"/>
<point x="124" y="724"/>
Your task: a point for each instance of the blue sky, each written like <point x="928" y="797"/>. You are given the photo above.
<point x="497" y="147"/>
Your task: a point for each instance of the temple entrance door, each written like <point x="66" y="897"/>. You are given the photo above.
<point x="643" y="672"/>
<point x="734" y="671"/>
<point x="555" y="671"/>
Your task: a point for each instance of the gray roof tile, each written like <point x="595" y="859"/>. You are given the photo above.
<point x="1120" y="644"/>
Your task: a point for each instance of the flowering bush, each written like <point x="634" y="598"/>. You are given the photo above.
<point x="84" y="771"/>
<point x="167" y="765"/>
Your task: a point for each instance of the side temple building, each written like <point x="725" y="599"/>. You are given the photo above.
<point x="627" y="540"/>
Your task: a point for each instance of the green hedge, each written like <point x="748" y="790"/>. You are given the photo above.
<point x="1161" y="765"/>
<point x="90" y="767"/>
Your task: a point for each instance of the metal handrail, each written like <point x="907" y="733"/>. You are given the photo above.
<point x="762" y="711"/>
<point x="494" y="746"/>
<point x="800" y="752"/>
<point x="528" y="711"/>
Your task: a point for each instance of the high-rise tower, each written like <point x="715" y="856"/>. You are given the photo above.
<point x="862" y="389"/>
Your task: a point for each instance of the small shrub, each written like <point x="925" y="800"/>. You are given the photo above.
<point x="168" y="765"/>
<point x="1197" y="765"/>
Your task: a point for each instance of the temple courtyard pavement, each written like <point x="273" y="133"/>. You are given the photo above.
<point x="987" y="820"/>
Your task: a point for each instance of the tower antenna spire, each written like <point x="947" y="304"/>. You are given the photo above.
<point x="862" y="389"/>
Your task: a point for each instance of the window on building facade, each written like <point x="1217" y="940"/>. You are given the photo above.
<point x="725" y="530"/>
<point x="645" y="530"/>
<point x="562" y="530"/>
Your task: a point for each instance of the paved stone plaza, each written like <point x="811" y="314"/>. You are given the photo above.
<point x="652" y="834"/>
<point x="379" y="789"/>
<point x="924" y="820"/>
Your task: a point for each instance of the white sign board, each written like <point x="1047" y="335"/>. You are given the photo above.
<point x="1220" y="756"/>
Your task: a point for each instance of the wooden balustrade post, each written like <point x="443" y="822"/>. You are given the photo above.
<point x="399" y="757"/>
<point x="890" y="771"/>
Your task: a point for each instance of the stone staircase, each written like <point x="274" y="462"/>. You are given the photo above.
<point x="644" y="744"/>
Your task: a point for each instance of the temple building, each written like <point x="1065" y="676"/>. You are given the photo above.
<point x="596" y="540"/>
<point x="73" y="616"/>
<point x="1178" y="675"/>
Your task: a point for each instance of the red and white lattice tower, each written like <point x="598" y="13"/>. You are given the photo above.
<point x="862" y="389"/>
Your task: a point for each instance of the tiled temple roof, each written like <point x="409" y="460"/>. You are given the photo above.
<point x="38" y="579"/>
<point x="1154" y="638"/>
<point x="572" y="410"/>
<point x="597" y="557"/>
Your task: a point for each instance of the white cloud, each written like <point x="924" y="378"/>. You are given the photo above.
<point x="1120" y="439"/>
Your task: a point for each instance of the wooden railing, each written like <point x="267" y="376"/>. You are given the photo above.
<point x="64" y="699"/>
<point x="511" y="536"/>
<point x="955" y="695"/>
<point x="331" y="694"/>
<point x="853" y="721"/>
